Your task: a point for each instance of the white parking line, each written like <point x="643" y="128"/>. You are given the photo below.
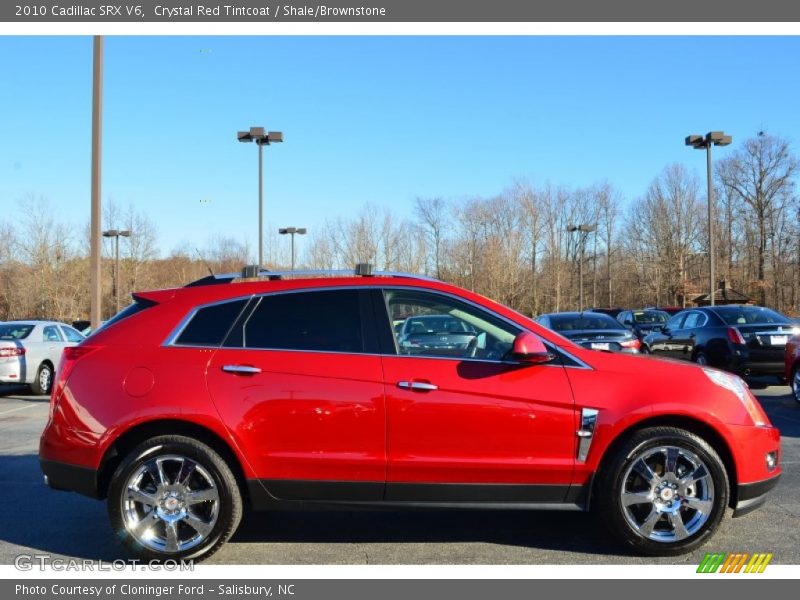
<point x="5" y="412"/>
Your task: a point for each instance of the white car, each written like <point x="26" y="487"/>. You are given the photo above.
<point x="30" y="351"/>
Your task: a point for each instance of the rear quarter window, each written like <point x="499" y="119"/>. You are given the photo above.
<point x="210" y="324"/>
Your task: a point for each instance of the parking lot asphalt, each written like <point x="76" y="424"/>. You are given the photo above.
<point x="37" y="520"/>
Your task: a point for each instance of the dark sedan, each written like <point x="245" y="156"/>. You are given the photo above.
<point x="593" y="330"/>
<point x="423" y="334"/>
<point x="741" y="339"/>
<point x="644" y="321"/>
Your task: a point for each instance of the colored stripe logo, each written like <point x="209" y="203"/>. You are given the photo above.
<point x="739" y="562"/>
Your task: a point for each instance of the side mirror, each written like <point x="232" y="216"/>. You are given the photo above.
<point x="529" y="348"/>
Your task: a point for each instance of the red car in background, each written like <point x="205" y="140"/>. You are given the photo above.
<point x="300" y="392"/>
<point x="792" y="354"/>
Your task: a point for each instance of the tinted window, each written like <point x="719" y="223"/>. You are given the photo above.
<point x="694" y="319"/>
<point x="582" y="322"/>
<point x="327" y="321"/>
<point x="72" y="335"/>
<point x="13" y="331"/>
<point x="750" y="315"/>
<point x="210" y="325"/>
<point x="675" y="322"/>
<point x="437" y="325"/>
<point x="650" y="317"/>
<point x="139" y="304"/>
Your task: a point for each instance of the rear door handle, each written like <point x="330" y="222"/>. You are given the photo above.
<point x="241" y="369"/>
<point x="420" y="386"/>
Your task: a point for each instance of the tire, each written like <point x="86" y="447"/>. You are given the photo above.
<point x="701" y="359"/>
<point x="43" y="383"/>
<point x="644" y="350"/>
<point x="166" y="470"/>
<point x="650" y="525"/>
<point x="796" y="383"/>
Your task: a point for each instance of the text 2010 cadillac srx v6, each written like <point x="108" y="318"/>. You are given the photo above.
<point x="361" y="388"/>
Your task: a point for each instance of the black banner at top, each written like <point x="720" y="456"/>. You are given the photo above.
<point x="393" y="11"/>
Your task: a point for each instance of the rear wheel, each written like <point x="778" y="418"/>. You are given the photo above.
<point x="173" y="497"/>
<point x="44" y="380"/>
<point x="663" y="492"/>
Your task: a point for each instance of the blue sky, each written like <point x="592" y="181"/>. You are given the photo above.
<point x="369" y="119"/>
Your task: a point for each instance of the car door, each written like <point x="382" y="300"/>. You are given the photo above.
<point x="299" y="383"/>
<point x="54" y="343"/>
<point x="685" y="338"/>
<point x="465" y="423"/>
<point x="663" y="343"/>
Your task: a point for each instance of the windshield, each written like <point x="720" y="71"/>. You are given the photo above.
<point x="583" y="322"/>
<point x="14" y="331"/>
<point x="751" y="315"/>
<point x="650" y="317"/>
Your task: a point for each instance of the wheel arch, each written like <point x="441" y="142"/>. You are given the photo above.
<point x="700" y="428"/>
<point x="140" y="432"/>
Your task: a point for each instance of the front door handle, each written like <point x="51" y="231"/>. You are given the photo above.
<point x="420" y="386"/>
<point x="241" y="369"/>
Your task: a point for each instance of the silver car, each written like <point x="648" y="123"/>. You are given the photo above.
<point x="30" y="351"/>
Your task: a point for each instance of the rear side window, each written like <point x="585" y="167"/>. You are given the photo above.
<point x="52" y="334"/>
<point x="324" y="321"/>
<point x="210" y="325"/>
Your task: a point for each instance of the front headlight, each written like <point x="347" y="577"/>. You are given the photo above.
<point x="739" y="387"/>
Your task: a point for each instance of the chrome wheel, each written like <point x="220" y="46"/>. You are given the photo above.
<point x="667" y="494"/>
<point x="44" y="379"/>
<point x="796" y="384"/>
<point x="170" y="504"/>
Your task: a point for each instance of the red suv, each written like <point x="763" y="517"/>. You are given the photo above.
<point x="387" y="389"/>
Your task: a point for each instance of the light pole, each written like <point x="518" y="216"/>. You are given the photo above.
<point x="292" y="231"/>
<point x="261" y="138"/>
<point x="698" y="142"/>
<point x="116" y="234"/>
<point x="583" y="230"/>
<point x="95" y="292"/>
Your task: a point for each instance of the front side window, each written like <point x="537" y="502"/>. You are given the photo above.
<point x="675" y="321"/>
<point x="323" y="321"/>
<point x="72" y="335"/>
<point x="427" y="324"/>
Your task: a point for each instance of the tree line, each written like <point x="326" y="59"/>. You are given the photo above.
<point x="514" y="247"/>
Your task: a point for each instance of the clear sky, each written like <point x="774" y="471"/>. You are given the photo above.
<point x="369" y="119"/>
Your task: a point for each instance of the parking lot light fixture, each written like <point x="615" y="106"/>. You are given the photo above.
<point x="261" y="138"/>
<point x="116" y="234"/>
<point x="583" y="230"/>
<point x="292" y="231"/>
<point x="699" y="142"/>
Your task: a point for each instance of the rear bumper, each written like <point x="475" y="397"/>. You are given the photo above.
<point x="750" y="496"/>
<point x="745" y="364"/>
<point x="70" y="478"/>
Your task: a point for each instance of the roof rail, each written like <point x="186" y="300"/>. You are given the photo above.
<point x="255" y="272"/>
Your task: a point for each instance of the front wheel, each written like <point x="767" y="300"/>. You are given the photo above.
<point x="701" y="359"/>
<point x="664" y="492"/>
<point x="174" y="497"/>
<point x="796" y="384"/>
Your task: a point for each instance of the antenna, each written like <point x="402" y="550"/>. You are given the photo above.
<point x="205" y="262"/>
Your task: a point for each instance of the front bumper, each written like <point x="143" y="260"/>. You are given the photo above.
<point x="750" y="496"/>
